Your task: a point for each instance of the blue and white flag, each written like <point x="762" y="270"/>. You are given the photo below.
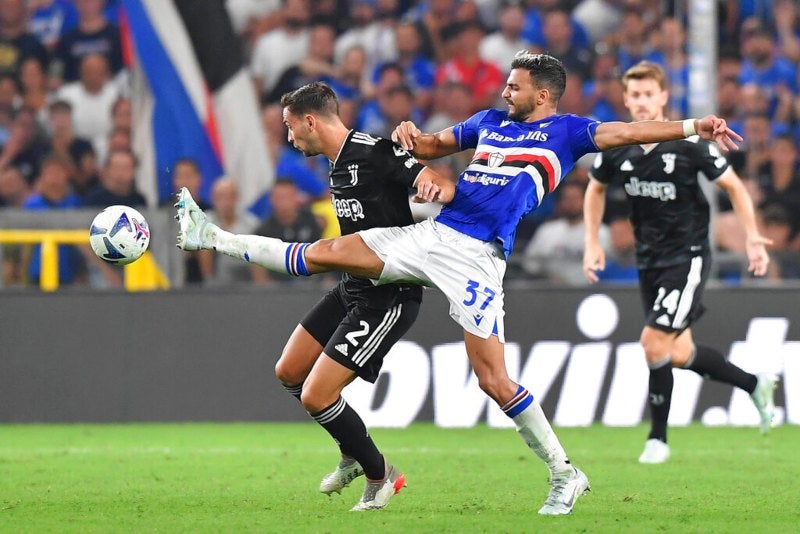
<point x="192" y="98"/>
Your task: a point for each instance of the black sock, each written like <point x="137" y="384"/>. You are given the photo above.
<point x="348" y="430"/>
<point x="294" y="391"/>
<point x="710" y="363"/>
<point x="659" y="398"/>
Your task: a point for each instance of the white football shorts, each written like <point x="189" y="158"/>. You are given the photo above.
<point x="467" y="270"/>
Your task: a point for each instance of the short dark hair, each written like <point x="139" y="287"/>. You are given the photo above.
<point x="546" y="71"/>
<point x="315" y="97"/>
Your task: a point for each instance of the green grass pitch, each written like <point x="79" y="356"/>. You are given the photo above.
<point x="264" y="477"/>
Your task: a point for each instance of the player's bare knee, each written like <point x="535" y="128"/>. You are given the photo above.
<point x="286" y="374"/>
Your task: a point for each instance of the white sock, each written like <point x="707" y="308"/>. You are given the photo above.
<point x="269" y="252"/>
<point x="536" y="432"/>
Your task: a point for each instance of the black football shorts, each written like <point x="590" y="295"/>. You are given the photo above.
<point x="356" y="335"/>
<point x="672" y="296"/>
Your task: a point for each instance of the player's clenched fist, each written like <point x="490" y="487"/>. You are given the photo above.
<point x="406" y="134"/>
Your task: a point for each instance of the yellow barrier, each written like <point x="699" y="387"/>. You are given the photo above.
<point x="142" y="275"/>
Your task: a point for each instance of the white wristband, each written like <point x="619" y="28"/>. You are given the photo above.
<point x="688" y="128"/>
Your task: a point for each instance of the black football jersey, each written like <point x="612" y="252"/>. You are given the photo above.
<point x="369" y="183"/>
<point x="669" y="211"/>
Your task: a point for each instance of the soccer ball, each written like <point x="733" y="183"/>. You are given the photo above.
<point x="119" y="235"/>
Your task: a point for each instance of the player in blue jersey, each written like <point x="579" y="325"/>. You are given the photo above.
<point x="521" y="155"/>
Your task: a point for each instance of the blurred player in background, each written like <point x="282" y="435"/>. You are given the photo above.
<point x="670" y="216"/>
<point x="521" y="155"/>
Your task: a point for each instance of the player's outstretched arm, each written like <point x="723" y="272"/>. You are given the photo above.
<point x="594" y="204"/>
<point x="422" y="145"/>
<point x="614" y="134"/>
<point x="755" y="244"/>
<point x="433" y="187"/>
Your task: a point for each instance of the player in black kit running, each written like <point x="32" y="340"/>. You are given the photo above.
<point x="348" y="333"/>
<point x="670" y="217"/>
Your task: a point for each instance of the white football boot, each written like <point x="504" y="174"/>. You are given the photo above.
<point x="764" y="399"/>
<point x="194" y="225"/>
<point x="347" y="471"/>
<point x="564" y="491"/>
<point x="655" y="452"/>
<point x="378" y="492"/>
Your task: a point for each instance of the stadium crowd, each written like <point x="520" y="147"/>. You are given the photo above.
<point x="66" y="118"/>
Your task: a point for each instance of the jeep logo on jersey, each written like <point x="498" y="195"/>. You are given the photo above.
<point x="349" y="208"/>
<point x="661" y="190"/>
<point x="496" y="159"/>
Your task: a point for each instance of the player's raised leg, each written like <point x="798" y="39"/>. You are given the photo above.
<point x="710" y="363"/>
<point x="347" y="253"/>
<point x="567" y="482"/>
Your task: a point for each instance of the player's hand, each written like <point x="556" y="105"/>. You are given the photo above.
<point x="594" y="259"/>
<point x="406" y="134"/>
<point x="427" y="191"/>
<point x="757" y="254"/>
<point x="716" y="129"/>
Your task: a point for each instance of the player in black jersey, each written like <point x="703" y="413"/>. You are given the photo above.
<point x="670" y="217"/>
<point x="348" y="333"/>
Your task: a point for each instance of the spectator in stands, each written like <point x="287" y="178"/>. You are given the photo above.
<point x="251" y="18"/>
<point x="50" y="20"/>
<point x="453" y="103"/>
<point x="373" y="116"/>
<point x="431" y="22"/>
<point x="14" y="191"/>
<point x="281" y="48"/>
<point x="779" y="179"/>
<point x="351" y="81"/>
<point x="316" y="66"/>
<point x="396" y="105"/>
<point x="558" y="32"/>
<point x="500" y="46"/>
<point x="92" y="98"/>
<point x="66" y="143"/>
<point x="672" y="45"/>
<point x="34" y="94"/>
<point x="418" y="70"/>
<point x="787" y="24"/>
<point x="121" y="114"/>
<point x="94" y="35"/>
<point x="26" y="146"/>
<point x="556" y="250"/>
<point x="785" y="248"/>
<point x="186" y="173"/>
<point x="599" y="18"/>
<point x="632" y="41"/>
<point x="757" y="134"/>
<point x="117" y="183"/>
<point x="290" y="220"/>
<point x="119" y="139"/>
<point x="621" y="259"/>
<point x="466" y="66"/>
<point x="14" y="188"/>
<point x="374" y="33"/>
<point x="534" y="23"/>
<point x="16" y="44"/>
<point x="218" y="269"/>
<point x="762" y="65"/>
<point x="602" y="93"/>
<point x="53" y="192"/>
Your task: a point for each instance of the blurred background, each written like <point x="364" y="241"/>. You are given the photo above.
<point x="125" y="101"/>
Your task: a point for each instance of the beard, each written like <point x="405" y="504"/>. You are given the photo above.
<point x="520" y="113"/>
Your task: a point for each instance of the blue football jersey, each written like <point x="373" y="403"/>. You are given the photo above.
<point x="515" y="165"/>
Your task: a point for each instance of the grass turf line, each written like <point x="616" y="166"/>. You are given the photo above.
<point x="264" y="477"/>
